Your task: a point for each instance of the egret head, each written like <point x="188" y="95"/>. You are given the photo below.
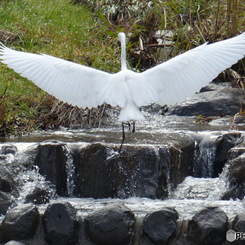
<point x="121" y="37"/>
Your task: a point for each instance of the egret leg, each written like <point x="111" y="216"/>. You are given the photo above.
<point x="133" y="130"/>
<point x="123" y="137"/>
<point x="123" y="133"/>
<point x="129" y="125"/>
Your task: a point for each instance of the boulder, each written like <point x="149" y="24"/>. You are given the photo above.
<point x="41" y="194"/>
<point x="8" y="149"/>
<point x="142" y="171"/>
<point x="223" y="144"/>
<point x="236" y="178"/>
<point x="219" y="102"/>
<point x="51" y="159"/>
<point x="112" y="225"/>
<point x="14" y="243"/>
<point x="160" y="226"/>
<point x="236" y="152"/>
<point x="6" y="201"/>
<point x="6" y="179"/>
<point x="20" y="223"/>
<point x="208" y="227"/>
<point x="94" y="176"/>
<point x="59" y="224"/>
<point x="238" y="224"/>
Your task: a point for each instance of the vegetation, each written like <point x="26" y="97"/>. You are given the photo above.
<point x="85" y="31"/>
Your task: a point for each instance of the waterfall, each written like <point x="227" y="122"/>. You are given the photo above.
<point x="200" y="188"/>
<point x="205" y="156"/>
<point x="70" y="171"/>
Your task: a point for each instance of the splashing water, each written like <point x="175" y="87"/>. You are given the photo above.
<point x="200" y="189"/>
<point x="70" y="171"/>
<point x="194" y="192"/>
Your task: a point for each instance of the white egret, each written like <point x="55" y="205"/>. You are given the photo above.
<point x="166" y="83"/>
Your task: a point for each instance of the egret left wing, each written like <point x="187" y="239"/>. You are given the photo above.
<point x="70" y="82"/>
<point x="185" y="74"/>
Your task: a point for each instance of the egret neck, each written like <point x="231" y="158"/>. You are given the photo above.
<point x="122" y="39"/>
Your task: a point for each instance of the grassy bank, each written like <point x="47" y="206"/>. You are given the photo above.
<point x="58" y="28"/>
<point x="86" y="32"/>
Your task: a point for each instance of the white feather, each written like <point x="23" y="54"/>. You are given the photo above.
<point x="167" y="83"/>
<point x="186" y="74"/>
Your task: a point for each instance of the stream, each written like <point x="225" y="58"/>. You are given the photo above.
<point x="187" y="198"/>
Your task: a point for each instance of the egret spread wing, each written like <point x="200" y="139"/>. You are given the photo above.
<point x="70" y="82"/>
<point x="187" y="73"/>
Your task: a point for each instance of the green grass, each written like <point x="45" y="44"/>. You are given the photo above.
<point x="54" y="27"/>
<point x="88" y="35"/>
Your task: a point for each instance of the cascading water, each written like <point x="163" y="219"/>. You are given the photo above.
<point x="70" y="171"/>
<point x="163" y="157"/>
<point x="200" y="189"/>
<point x="206" y="155"/>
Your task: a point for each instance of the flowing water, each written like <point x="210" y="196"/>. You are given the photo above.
<point x="189" y="196"/>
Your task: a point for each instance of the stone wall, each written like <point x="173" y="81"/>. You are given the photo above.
<point x="115" y="225"/>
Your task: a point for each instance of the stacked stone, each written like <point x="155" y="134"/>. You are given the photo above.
<point x="114" y="225"/>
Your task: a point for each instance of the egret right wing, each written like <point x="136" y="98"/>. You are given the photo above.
<point x="70" y="82"/>
<point x="185" y="74"/>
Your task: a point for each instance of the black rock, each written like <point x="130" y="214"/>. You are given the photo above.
<point x="208" y="227"/>
<point x="238" y="223"/>
<point x="112" y="225"/>
<point x="215" y="86"/>
<point x="6" y="179"/>
<point x="221" y="102"/>
<point x="6" y="201"/>
<point x="223" y="144"/>
<point x="41" y="194"/>
<point x="8" y="149"/>
<point x="236" y="178"/>
<point x="160" y="226"/>
<point x="236" y="151"/>
<point x="14" y="243"/>
<point x="91" y="162"/>
<point x="59" y="222"/>
<point x="237" y="170"/>
<point x="51" y="159"/>
<point x="20" y="223"/>
<point x="141" y="171"/>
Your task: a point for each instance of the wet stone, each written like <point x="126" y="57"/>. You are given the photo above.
<point x="8" y="149"/>
<point x="236" y="178"/>
<point x="20" y="223"/>
<point x="14" y="243"/>
<point x="112" y="225"/>
<point x="5" y="202"/>
<point x="223" y="144"/>
<point x="41" y="194"/>
<point x="51" y="159"/>
<point x="6" y="179"/>
<point x="160" y="226"/>
<point x="220" y="102"/>
<point x="59" y="221"/>
<point x="142" y="171"/>
<point x="208" y="227"/>
<point x="238" y="223"/>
